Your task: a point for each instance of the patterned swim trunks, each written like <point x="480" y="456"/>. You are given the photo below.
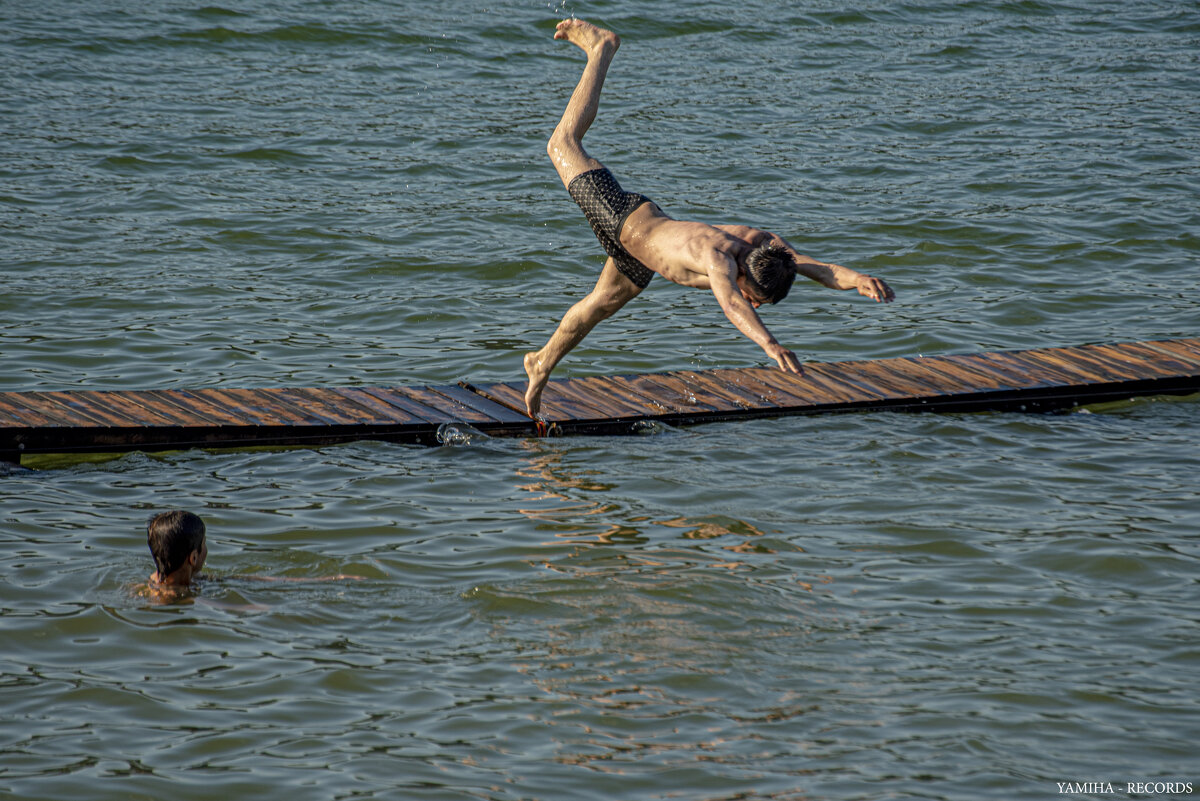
<point x="606" y="207"/>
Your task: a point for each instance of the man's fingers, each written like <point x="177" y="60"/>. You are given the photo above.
<point x="877" y="290"/>
<point x="788" y="363"/>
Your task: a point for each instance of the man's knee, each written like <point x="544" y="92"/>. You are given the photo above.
<point x="567" y="154"/>
<point x="615" y="297"/>
<point x="557" y="142"/>
<point x="604" y="303"/>
<point x="610" y="305"/>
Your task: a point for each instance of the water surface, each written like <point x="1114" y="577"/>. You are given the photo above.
<point x="853" y="607"/>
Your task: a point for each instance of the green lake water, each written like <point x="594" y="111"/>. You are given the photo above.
<point x="867" y="606"/>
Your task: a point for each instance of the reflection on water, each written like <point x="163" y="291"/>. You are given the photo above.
<point x="635" y="646"/>
<point x="580" y="495"/>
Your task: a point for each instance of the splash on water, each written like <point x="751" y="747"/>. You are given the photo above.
<point x="646" y="428"/>
<point x="460" y="434"/>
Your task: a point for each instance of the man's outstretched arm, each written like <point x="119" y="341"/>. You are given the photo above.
<point x="722" y="280"/>
<point x="835" y="276"/>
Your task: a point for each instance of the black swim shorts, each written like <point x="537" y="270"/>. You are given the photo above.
<point x="606" y="206"/>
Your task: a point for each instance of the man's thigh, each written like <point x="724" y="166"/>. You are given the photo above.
<point x="613" y="288"/>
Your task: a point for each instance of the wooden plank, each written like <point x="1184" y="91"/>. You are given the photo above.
<point x="597" y="394"/>
<point x="1187" y="350"/>
<point x="170" y="415"/>
<point x="735" y="380"/>
<point x="830" y="379"/>
<point x="932" y="373"/>
<point x="82" y="404"/>
<point x="336" y="409"/>
<point x="861" y="381"/>
<point x="1161" y="359"/>
<point x="62" y="414"/>
<point x="669" y="395"/>
<point x="390" y="414"/>
<point x="266" y="410"/>
<point x="685" y="394"/>
<point x="455" y="412"/>
<point x="220" y="407"/>
<point x="124" y="404"/>
<point x="893" y="381"/>
<point x="749" y="378"/>
<point x="330" y="408"/>
<point x="480" y="404"/>
<point x="404" y="402"/>
<point x="807" y="390"/>
<point x="713" y="386"/>
<point x="1135" y="362"/>
<point x="16" y="413"/>
<point x="571" y="397"/>
<point x="1004" y="376"/>
<point x="204" y="411"/>
<point x="257" y="409"/>
<point x="299" y="411"/>
<point x="1018" y="373"/>
<point x="1081" y="358"/>
<point x="662" y="401"/>
<point x="1044" y="371"/>
<point x="648" y="395"/>
<point x="623" y="403"/>
<point x="954" y="377"/>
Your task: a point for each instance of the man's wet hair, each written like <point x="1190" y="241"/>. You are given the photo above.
<point x="172" y="537"/>
<point x="770" y="272"/>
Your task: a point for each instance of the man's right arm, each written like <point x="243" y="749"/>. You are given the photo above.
<point x="722" y="280"/>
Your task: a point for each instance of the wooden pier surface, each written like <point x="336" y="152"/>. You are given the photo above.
<point x="1044" y="379"/>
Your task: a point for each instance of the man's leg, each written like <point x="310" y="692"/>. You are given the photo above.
<point x="611" y="292"/>
<point x="565" y="147"/>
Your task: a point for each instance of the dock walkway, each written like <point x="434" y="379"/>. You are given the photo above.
<point x="1044" y="379"/>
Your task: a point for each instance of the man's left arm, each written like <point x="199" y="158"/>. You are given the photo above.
<point x="835" y="276"/>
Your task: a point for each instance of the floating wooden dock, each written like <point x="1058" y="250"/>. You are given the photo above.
<point x="1045" y="379"/>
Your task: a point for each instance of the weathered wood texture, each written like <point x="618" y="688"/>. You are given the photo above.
<point x="1032" y="380"/>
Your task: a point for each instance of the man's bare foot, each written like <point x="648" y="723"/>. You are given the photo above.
<point x="537" y="382"/>
<point x="586" y="35"/>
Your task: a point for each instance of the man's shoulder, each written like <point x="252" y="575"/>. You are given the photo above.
<point x="748" y="234"/>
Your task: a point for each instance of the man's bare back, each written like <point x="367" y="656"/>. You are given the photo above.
<point x="641" y="240"/>
<point x="680" y="251"/>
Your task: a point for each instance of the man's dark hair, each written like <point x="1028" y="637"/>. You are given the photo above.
<point x="770" y="271"/>
<point x="172" y="537"/>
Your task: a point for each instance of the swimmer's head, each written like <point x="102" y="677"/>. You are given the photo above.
<point x="770" y="272"/>
<point x="173" y="538"/>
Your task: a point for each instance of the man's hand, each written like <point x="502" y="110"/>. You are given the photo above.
<point x="787" y="360"/>
<point x="875" y="288"/>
